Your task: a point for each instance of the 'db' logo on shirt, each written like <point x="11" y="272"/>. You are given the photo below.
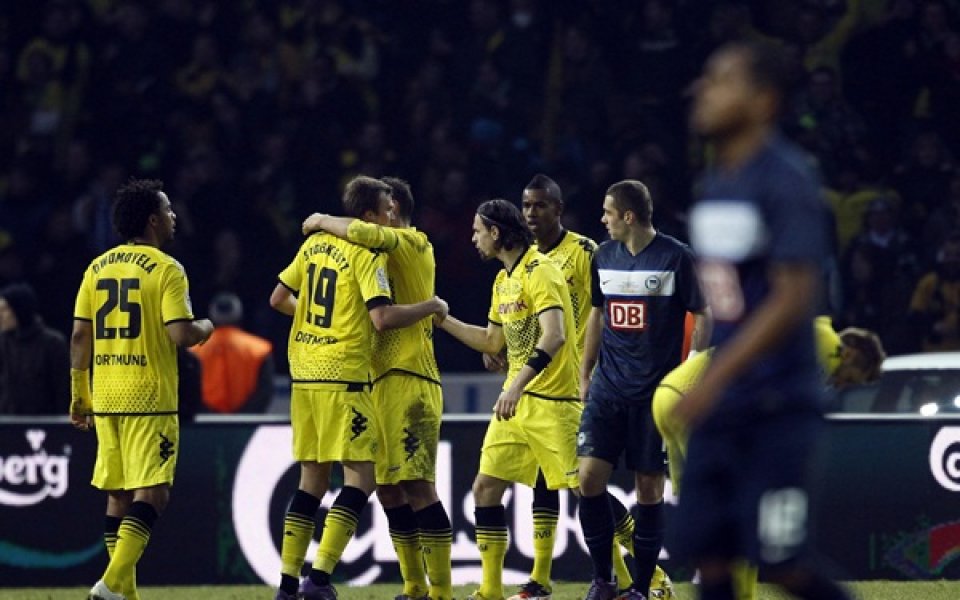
<point x="627" y="315"/>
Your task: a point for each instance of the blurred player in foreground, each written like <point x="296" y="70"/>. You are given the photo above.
<point x="132" y="311"/>
<point x="852" y="357"/>
<point x="760" y="232"/>
<point x="407" y="397"/>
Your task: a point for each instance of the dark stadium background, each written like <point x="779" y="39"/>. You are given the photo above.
<point x="255" y="113"/>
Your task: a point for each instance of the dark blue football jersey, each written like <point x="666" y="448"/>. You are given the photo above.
<point x="767" y="212"/>
<point x="645" y="299"/>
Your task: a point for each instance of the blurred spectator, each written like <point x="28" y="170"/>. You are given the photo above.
<point x="935" y="306"/>
<point x="944" y="220"/>
<point x="865" y="299"/>
<point x="34" y="359"/>
<point x="237" y="366"/>
<point x="892" y="249"/>
<point x="258" y="111"/>
<point x="923" y="179"/>
<point x="824" y="123"/>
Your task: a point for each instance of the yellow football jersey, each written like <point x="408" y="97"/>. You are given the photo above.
<point x="572" y="253"/>
<point x="336" y="284"/>
<point x="828" y="345"/>
<point x="412" y="270"/>
<point x="535" y="284"/>
<point x="129" y="294"/>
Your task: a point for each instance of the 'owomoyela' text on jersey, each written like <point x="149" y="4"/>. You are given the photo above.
<point x="129" y="294"/>
<point x="573" y="253"/>
<point x="336" y="284"/>
<point x="535" y="284"/>
<point x="412" y="276"/>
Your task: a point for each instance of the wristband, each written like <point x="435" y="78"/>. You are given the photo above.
<point x="539" y="359"/>
<point x="81" y="399"/>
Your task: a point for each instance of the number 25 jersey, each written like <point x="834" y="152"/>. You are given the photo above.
<point x="129" y="294"/>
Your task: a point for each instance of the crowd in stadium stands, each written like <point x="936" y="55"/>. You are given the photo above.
<point x="255" y="112"/>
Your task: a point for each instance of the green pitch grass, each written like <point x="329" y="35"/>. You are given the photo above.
<point x="875" y="590"/>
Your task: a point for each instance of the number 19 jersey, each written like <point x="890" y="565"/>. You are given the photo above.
<point x="129" y="294"/>
<point x="336" y="283"/>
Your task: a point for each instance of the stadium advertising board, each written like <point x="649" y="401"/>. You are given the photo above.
<point x="887" y="507"/>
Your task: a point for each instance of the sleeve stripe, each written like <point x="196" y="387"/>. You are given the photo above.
<point x="180" y="320"/>
<point x="554" y="307"/>
<point x="85" y="319"/>
<point x="292" y="291"/>
<point x="376" y="301"/>
<point x="498" y="324"/>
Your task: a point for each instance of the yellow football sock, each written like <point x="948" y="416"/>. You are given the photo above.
<point x="744" y="575"/>
<point x="492" y="542"/>
<point x="297" y="532"/>
<point x="436" y="555"/>
<point x="620" y="570"/>
<point x="436" y="537"/>
<point x="544" y="534"/>
<point x="338" y="530"/>
<point x="407" y="546"/>
<point x="132" y="537"/>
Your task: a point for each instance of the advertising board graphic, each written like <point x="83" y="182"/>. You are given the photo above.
<point x="885" y="507"/>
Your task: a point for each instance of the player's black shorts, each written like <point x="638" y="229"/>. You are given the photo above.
<point x="745" y="493"/>
<point x="611" y="429"/>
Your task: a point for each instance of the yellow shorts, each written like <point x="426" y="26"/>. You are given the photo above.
<point x="671" y="388"/>
<point x="542" y="435"/>
<point x="333" y="425"/>
<point x="135" y="451"/>
<point x="409" y="409"/>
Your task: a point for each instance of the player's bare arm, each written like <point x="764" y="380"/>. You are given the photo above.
<point x="591" y="349"/>
<point x="552" y="338"/>
<point x="190" y="333"/>
<point x="794" y="288"/>
<point x="495" y="363"/>
<point x="283" y="301"/>
<point x="702" y="330"/>
<point x="397" y="316"/>
<point x="81" y="351"/>
<point x="337" y="226"/>
<point x="489" y="339"/>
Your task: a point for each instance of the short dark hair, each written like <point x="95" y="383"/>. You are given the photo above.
<point x="508" y="219"/>
<point x="362" y="194"/>
<point x="133" y="204"/>
<point x="767" y="65"/>
<point x="632" y="195"/>
<point x="402" y="196"/>
<point x="544" y="183"/>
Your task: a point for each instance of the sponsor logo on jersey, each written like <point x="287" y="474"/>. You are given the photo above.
<point x="626" y="315"/>
<point x="637" y="283"/>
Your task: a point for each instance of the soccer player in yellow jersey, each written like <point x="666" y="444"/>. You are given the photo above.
<point x="407" y="399"/>
<point x="851" y="357"/>
<point x="330" y="288"/>
<point x="538" y="411"/>
<point x="132" y="310"/>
